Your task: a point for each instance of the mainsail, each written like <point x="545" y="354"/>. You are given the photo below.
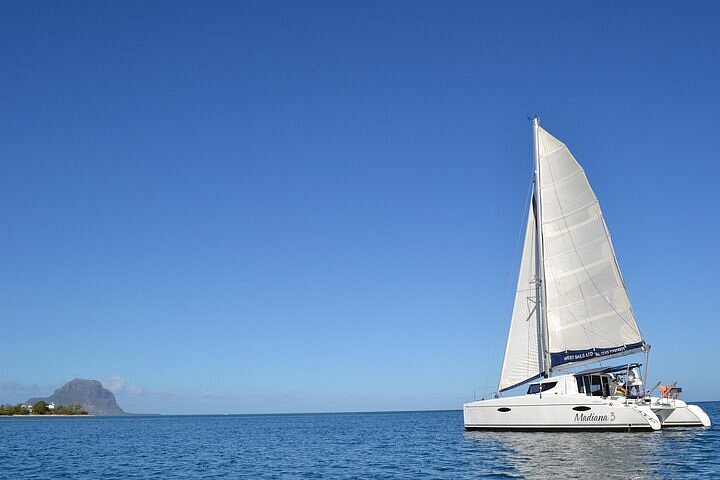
<point x="587" y="314"/>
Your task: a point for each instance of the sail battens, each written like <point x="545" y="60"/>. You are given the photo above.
<point x="578" y="249"/>
<point x="585" y="323"/>
<point x="550" y="233"/>
<point x="557" y="181"/>
<point x="569" y="305"/>
<point x="545" y="153"/>
<point x="566" y="214"/>
<point x="588" y="309"/>
<point x="586" y="314"/>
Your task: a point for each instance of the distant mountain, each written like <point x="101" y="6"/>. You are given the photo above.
<point x="93" y="397"/>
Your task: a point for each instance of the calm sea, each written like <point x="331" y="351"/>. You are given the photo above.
<point x="357" y="445"/>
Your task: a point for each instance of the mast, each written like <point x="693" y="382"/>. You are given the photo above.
<point x="540" y="305"/>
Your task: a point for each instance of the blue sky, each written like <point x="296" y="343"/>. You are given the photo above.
<point x="239" y="207"/>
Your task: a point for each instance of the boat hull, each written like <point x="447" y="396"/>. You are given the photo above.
<point x="555" y="413"/>
<point x="677" y="413"/>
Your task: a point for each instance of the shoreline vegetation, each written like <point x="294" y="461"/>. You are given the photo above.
<point x="41" y="408"/>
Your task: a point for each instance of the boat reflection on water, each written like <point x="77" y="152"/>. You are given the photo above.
<point x="676" y="453"/>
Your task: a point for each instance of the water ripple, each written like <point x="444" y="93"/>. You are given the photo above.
<point x="406" y="445"/>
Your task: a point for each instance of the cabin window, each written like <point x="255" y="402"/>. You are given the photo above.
<point x="605" y="386"/>
<point x="593" y="385"/>
<point x="540" y="387"/>
<point x="596" y="386"/>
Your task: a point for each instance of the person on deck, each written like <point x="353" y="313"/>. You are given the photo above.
<point x="634" y="382"/>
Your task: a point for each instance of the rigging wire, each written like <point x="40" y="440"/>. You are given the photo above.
<point x="523" y="221"/>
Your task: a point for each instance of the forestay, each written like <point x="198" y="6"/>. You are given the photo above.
<point x="521" y="360"/>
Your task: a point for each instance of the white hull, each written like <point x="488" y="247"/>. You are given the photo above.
<point x="566" y="412"/>
<point x="676" y="413"/>
<point x="579" y="412"/>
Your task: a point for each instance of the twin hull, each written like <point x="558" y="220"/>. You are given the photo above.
<point x="579" y="412"/>
<point x="676" y="413"/>
<point x="564" y="412"/>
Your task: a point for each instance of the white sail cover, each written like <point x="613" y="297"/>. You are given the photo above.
<point x="589" y="316"/>
<point x="521" y="360"/>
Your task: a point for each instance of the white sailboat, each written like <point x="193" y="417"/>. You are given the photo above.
<point x="572" y="308"/>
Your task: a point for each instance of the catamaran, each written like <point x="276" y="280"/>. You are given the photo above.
<point x="571" y="309"/>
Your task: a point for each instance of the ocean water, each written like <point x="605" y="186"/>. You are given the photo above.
<point x="352" y="445"/>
